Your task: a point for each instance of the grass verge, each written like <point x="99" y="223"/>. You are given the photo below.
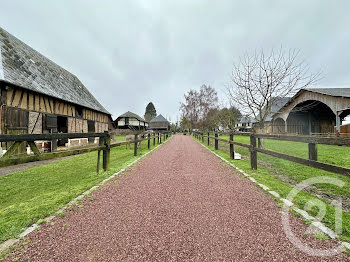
<point x="30" y="195"/>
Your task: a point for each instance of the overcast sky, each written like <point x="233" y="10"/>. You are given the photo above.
<point x="128" y="53"/>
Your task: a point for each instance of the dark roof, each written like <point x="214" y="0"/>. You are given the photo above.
<point x="279" y="102"/>
<point x="246" y="119"/>
<point x="332" y="91"/>
<point x="132" y="115"/>
<point x="159" y="118"/>
<point x="23" y="66"/>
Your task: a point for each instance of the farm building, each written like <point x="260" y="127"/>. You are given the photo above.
<point x="38" y="96"/>
<point x="132" y="121"/>
<point x="159" y="123"/>
<point x="313" y="111"/>
<point x="245" y="124"/>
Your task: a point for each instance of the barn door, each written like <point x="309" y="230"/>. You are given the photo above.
<point x="91" y="129"/>
<point x="17" y="123"/>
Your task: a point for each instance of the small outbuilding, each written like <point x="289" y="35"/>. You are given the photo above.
<point x="132" y="121"/>
<point x="159" y="123"/>
<point x="245" y="124"/>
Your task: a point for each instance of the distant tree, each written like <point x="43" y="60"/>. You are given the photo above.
<point x="227" y="117"/>
<point x="211" y="121"/>
<point x="150" y="112"/>
<point x="185" y="123"/>
<point x="197" y="105"/>
<point x="259" y="79"/>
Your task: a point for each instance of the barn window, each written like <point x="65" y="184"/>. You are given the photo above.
<point x="126" y="121"/>
<point x="51" y="123"/>
<point x="79" y="111"/>
<point x="17" y="118"/>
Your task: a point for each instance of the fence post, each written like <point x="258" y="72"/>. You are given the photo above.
<point x="312" y="151"/>
<point x="135" y="145"/>
<point x="98" y="161"/>
<point x="149" y="141"/>
<point x="232" y="149"/>
<point x="154" y="139"/>
<point x="106" y="152"/>
<point x="208" y="139"/>
<point x="253" y="153"/>
<point x="202" y="137"/>
<point x="216" y="141"/>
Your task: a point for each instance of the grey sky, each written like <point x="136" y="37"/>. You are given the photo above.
<point x="130" y="52"/>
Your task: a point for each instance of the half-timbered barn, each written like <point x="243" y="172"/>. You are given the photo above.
<point x="38" y="96"/>
<point x="132" y="121"/>
<point x="313" y="111"/>
<point x="159" y="123"/>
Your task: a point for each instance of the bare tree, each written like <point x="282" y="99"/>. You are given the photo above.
<point x="259" y="80"/>
<point x="197" y="105"/>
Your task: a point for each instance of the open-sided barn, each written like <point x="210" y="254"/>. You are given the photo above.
<point x="39" y="96"/>
<point x="313" y="111"/>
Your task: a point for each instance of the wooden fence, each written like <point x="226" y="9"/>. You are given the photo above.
<point x="254" y="149"/>
<point x="104" y="145"/>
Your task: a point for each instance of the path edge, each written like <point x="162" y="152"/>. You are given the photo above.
<point x="326" y="230"/>
<point x="11" y="242"/>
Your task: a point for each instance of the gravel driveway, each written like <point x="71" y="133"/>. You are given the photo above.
<point x="180" y="203"/>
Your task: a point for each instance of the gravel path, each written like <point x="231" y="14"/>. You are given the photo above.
<point x="179" y="204"/>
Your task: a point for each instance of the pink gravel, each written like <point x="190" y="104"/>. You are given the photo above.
<point x="181" y="203"/>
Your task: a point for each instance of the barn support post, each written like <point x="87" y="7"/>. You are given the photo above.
<point x="232" y="149"/>
<point x="149" y="141"/>
<point x="312" y="151"/>
<point x="135" y="145"/>
<point x="160" y="138"/>
<point x="253" y="153"/>
<point x="154" y="139"/>
<point x="208" y="139"/>
<point x="106" y="152"/>
<point x="337" y="123"/>
<point x="216" y="141"/>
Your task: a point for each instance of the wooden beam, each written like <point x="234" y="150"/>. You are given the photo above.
<point x="34" y="148"/>
<point x="13" y="149"/>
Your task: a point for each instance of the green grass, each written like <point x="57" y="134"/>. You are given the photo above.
<point x="271" y="173"/>
<point x="295" y="173"/>
<point x="30" y="195"/>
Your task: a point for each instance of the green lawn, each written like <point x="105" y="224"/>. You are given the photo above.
<point x="280" y="175"/>
<point x="30" y="195"/>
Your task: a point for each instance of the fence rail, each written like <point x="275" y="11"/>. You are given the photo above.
<point x="105" y="145"/>
<point x="312" y="142"/>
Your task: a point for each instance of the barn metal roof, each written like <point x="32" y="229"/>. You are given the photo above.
<point x="23" y="66"/>
<point x="159" y="118"/>
<point x="279" y="102"/>
<point x="246" y="119"/>
<point x="332" y="91"/>
<point x="131" y="114"/>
